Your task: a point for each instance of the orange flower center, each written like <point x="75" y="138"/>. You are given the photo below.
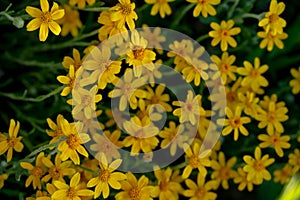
<point x="163" y="185"/>
<point x="86" y="100"/>
<point x="224" y="33"/>
<point x="12" y="141"/>
<point x="202" y="2"/>
<point x="224" y="173"/>
<point x="194" y="161"/>
<point x="271" y="117"/>
<point x="200" y="193"/>
<point x="154" y="99"/>
<point x="189" y="107"/>
<point x="273" y="18"/>
<point x="126" y="89"/>
<point x="275" y="140"/>
<point x="235" y="122"/>
<point x="138" y="53"/>
<point x="58" y="132"/>
<point x="126" y="9"/>
<point x="254" y="74"/>
<point x="37" y="171"/>
<point x="104" y="175"/>
<point x="258" y="165"/>
<point x="224" y="67"/>
<point x="73" y="141"/>
<point x="231" y="96"/>
<point x="54" y="172"/>
<point x="135" y="194"/>
<point x="71" y="193"/>
<point x="46" y="17"/>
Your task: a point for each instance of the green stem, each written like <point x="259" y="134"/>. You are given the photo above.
<point x="96" y="9"/>
<point x="182" y="14"/>
<point x="252" y="15"/>
<point x="202" y="37"/>
<point x="230" y="13"/>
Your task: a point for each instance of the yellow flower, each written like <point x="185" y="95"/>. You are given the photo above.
<point x="272" y="22"/>
<point x="127" y="90"/>
<point x="81" y="3"/>
<point x="141" y="135"/>
<point x="234" y="123"/>
<point x="69" y="80"/>
<point x="158" y="97"/>
<point x="226" y="67"/>
<point x="3" y="177"/>
<point x="201" y="190"/>
<point x="76" y="61"/>
<point x="107" y="178"/>
<point x="256" y="167"/>
<point x="253" y="75"/>
<point x="57" y="170"/>
<point x="45" y="19"/>
<point x="241" y="179"/>
<point x="108" y="144"/>
<point x="56" y="130"/>
<point x="295" y="83"/>
<point x="269" y="40"/>
<point x="276" y="141"/>
<point x="294" y="160"/>
<point x="73" y="142"/>
<point x="190" y="110"/>
<point x="272" y="118"/>
<point x="139" y="56"/>
<point x="222" y="170"/>
<point x="70" y="22"/>
<point x="123" y="13"/>
<point x="166" y="187"/>
<point x="283" y="175"/>
<point x="12" y="142"/>
<point x="134" y="189"/>
<point x="204" y="7"/>
<point x="222" y="33"/>
<point x="160" y="6"/>
<point x="249" y="103"/>
<point x="36" y="172"/>
<point x="154" y="38"/>
<point x="195" y="161"/>
<point x="72" y="191"/>
<point x="173" y="137"/>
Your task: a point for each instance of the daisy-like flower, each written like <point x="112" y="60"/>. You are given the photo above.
<point x="173" y="137"/>
<point x="73" y="142"/>
<point x="234" y="122"/>
<point x="69" y="81"/>
<point x="256" y="167"/>
<point x="153" y="74"/>
<point x="195" y="161"/>
<point x="12" y="142"/>
<point x="123" y="13"/>
<point x="56" y="130"/>
<point x="76" y="61"/>
<point x="36" y="172"/>
<point x="276" y="141"/>
<point x="157" y="97"/>
<point x="127" y="90"/>
<point x="108" y="144"/>
<point x="106" y="178"/>
<point x="45" y="19"/>
<point x="3" y="177"/>
<point x="294" y="160"/>
<point x="160" y="6"/>
<point x="142" y="135"/>
<point x="253" y="75"/>
<point x="249" y="103"/>
<point x="223" y="33"/>
<point x="81" y="3"/>
<point x="166" y="187"/>
<point x="200" y="190"/>
<point x="226" y="67"/>
<point x="269" y="40"/>
<point x="190" y="110"/>
<point x="139" y="56"/>
<point x="154" y="38"/>
<point x="295" y="83"/>
<point x="223" y="171"/>
<point x="134" y="189"/>
<point x="272" y="22"/>
<point x="242" y="180"/>
<point x="204" y="7"/>
<point x="70" y="22"/>
<point x="272" y="118"/>
<point x="283" y="175"/>
<point x="58" y="169"/>
<point x="72" y="191"/>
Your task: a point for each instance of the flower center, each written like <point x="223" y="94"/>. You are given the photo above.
<point x="126" y="9"/>
<point x="54" y="172"/>
<point x="258" y="165"/>
<point x="200" y="193"/>
<point x="231" y="96"/>
<point x="73" y="141"/>
<point x="189" y="107"/>
<point x="138" y="53"/>
<point x="202" y="2"/>
<point x="126" y="89"/>
<point x="224" y="33"/>
<point x="154" y="99"/>
<point x="37" y="171"/>
<point x="255" y="73"/>
<point x="71" y="193"/>
<point x="135" y="193"/>
<point x="224" y="173"/>
<point x="104" y="175"/>
<point x="86" y="100"/>
<point x="275" y="140"/>
<point x="163" y="185"/>
<point x="12" y="141"/>
<point x="224" y="67"/>
<point x="273" y="18"/>
<point x="194" y="161"/>
<point x="58" y="132"/>
<point x="46" y="17"/>
<point x="235" y="122"/>
<point x="271" y="117"/>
